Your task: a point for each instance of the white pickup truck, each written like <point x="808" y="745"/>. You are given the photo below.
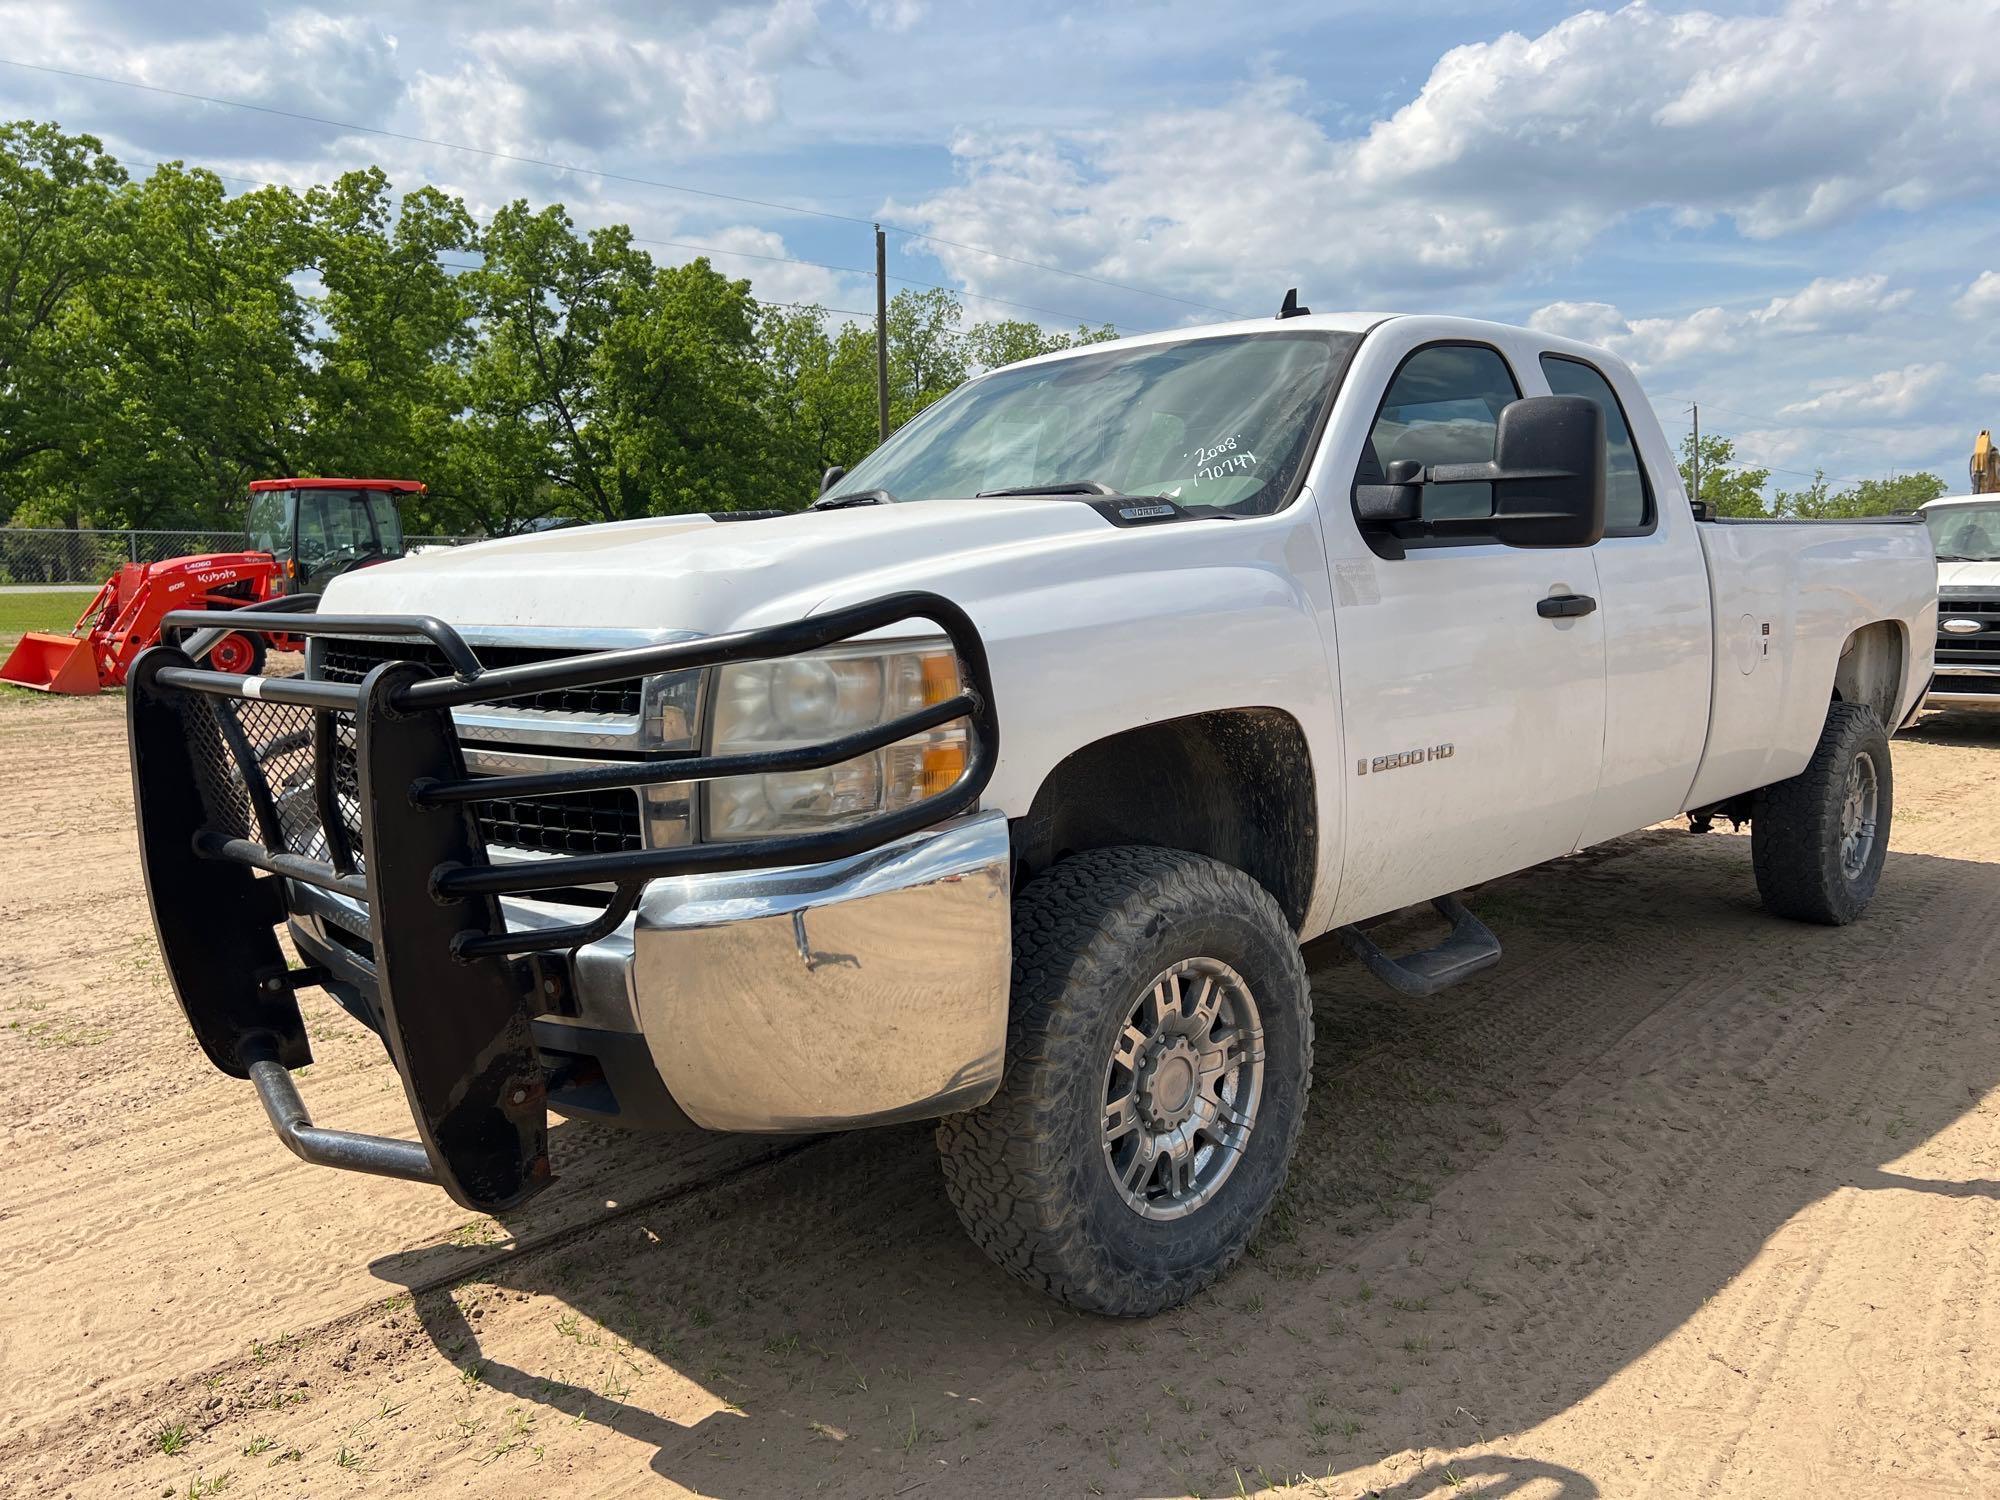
<point x="1004" y="785"/>
<point x="1966" y="532"/>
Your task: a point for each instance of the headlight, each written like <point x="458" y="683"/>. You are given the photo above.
<point x="825" y="695"/>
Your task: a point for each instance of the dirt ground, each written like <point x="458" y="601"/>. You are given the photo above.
<point x="1678" y="1200"/>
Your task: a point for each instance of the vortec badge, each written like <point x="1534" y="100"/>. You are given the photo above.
<point x="1405" y="758"/>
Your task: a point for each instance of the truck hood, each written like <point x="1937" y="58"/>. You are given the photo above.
<point x="693" y="573"/>
<point x="1963" y="575"/>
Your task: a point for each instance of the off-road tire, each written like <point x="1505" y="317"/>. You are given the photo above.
<point x="1795" y="825"/>
<point x="1027" y="1171"/>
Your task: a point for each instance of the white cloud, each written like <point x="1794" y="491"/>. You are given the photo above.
<point x="1832" y="304"/>
<point x="1891" y="394"/>
<point x="1982" y="298"/>
<point x="1827" y="305"/>
<point x="1516" y="152"/>
<point x="533" y="89"/>
<point x="777" y="280"/>
<point x="892" y="15"/>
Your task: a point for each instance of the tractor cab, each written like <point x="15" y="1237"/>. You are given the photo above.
<point x="318" y="529"/>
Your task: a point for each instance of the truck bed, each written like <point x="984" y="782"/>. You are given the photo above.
<point x="1788" y="597"/>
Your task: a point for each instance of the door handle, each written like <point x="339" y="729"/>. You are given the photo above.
<point x="1565" y="606"/>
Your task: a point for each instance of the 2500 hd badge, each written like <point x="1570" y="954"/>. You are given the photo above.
<point x="1404" y="758"/>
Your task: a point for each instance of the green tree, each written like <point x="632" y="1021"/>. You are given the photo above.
<point x="60" y="232"/>
<point x="680" y="394"/>
<point x="163" y="342"/>
<point x="545" y="298"/>
<point x="394" y="322"/>
<point x="1868" y="497"/>
<point x="1729" y="489"/>
<point x="1006" y="340"/>
<point x="927" y="351"/>
<point x="1882" y="497"/>
<point x="204" y="339"/>
<point x="820" y="400"/>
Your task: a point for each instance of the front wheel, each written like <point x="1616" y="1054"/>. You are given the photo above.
<point x="1159" y="1053"/>
<point x="1819" y="840"/>
<point x="239" y="653"/>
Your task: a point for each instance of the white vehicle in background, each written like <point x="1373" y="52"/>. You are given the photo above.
<point x="1004" y="785"/>
<point x="1965" y="530"/>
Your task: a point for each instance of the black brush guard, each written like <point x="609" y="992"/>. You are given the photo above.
<point x="361" y="788"/>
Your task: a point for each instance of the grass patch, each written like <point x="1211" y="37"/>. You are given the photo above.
<point x="173" y="1440"/>
<point x="54" y="610"/>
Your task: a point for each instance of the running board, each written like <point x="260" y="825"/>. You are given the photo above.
<point x="1468" y="949"/>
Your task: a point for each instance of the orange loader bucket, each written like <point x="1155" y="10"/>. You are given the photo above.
<point x="52" y="664"/>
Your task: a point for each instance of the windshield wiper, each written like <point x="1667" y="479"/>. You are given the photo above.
<point x="853" y="498"/>
<point x="1062" y="487"/>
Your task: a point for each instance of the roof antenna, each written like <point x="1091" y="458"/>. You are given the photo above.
<point x="1291" y="309"/>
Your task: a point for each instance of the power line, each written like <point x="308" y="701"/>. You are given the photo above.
<point x="1079" y="275"/>
<point x="1768" y="468"/>
<point x="761" y="301"/>
<point x="1737" y="411"/>
<point x="493" y="154"/>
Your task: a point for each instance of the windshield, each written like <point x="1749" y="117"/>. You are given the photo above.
<point x="1216" y="424"/>
<point x="1965" y="533"/>
<point x="349" y="523"/>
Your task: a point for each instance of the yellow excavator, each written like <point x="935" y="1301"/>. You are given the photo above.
<point x="1985" y="466"/>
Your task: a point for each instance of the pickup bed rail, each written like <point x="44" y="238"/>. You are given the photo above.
<point x="361" y="788"/>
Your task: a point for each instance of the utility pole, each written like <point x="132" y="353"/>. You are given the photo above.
<point x="1695" y="460"/>
<point x="881" y="334"/>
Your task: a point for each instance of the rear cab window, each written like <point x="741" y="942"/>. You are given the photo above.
<point x="1628" y="496"/>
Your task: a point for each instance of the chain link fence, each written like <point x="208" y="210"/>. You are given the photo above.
<point x="29" y="555"/>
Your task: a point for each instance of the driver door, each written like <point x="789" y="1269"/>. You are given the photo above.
<point x="1474" y="721"/>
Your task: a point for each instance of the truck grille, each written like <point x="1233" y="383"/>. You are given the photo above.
<point x="1979" y="648"/>
<point x="340" y="659"/>
<point x="601" y="822"/>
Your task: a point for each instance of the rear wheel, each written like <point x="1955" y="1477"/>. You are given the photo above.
<point x="1159" y="1053"/>
<point x="1819" y="839"/>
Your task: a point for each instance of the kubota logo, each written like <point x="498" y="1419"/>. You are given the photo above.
<point x="216" y="577"/>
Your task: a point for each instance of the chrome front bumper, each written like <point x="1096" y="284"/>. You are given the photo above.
<point x="863" y="991"/>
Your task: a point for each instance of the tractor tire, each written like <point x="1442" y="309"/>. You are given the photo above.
<point x="1159" y="1052"/>
<point x="238" y="652"/>
<point x="1819" y="839"/>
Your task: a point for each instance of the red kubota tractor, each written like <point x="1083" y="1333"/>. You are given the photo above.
<point x="303" y="533"/>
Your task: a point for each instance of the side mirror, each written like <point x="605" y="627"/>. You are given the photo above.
<point x="832" y="477"/>
<point x="1547" y="473"/>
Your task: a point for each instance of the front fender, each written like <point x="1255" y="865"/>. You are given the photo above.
<point x="1095" y="634"/>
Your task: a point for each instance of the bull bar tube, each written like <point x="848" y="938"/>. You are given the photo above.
<point x="243" y="783"/>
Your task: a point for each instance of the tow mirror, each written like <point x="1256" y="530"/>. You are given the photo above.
<point x="832" y="477"/>
<point x="1547" y="473"/>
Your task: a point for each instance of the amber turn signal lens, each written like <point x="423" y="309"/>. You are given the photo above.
<point x="943" y="765"/>
<point x="940" y="677"/>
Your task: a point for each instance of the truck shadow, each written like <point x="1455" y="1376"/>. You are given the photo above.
<point x="1960" y="730"/>
<point x="1461" y="1254"/>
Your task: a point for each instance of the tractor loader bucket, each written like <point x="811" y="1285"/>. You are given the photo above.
<point x="52" y="664"/>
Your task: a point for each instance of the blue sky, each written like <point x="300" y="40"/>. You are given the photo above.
<point x="1790" y="210"/>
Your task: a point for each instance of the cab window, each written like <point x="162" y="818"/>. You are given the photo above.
<point x="1443" y="407"/>
<point x="1628" y="498"/>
